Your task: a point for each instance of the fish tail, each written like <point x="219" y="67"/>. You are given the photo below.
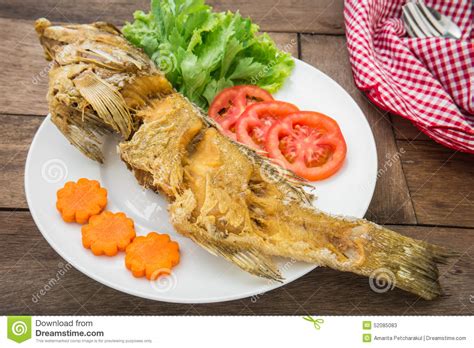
<point x="393" y="260"/>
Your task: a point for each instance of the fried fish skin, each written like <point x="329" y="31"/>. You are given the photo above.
<point x="219" y="192"/>
<point x="96" y="82"/>
<point x="224" y="201"/>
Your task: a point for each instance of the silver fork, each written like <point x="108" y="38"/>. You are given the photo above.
<point x="422" y="21"/>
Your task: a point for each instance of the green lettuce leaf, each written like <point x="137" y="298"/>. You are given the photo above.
<point x="201" y="51"/>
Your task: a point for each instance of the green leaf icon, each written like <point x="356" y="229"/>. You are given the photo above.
<point x="19" y="328"/>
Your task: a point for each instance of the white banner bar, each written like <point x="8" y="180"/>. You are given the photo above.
<point x="263" y="331"/>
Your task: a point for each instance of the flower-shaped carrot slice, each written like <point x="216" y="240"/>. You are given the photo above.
<point x="107" y="233"/>
<point x="152" y="256"/>
<point x="77" y="202"/>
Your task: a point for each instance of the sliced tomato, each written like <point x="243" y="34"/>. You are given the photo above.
<point x="308" y="143"/>
<point x="252" y="126"/>
<point x="231" y="102"/>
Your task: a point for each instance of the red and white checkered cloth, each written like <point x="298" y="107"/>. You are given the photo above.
<point x="428" y="81"/>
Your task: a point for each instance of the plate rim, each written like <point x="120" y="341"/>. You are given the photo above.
<point x="131" y="291"/>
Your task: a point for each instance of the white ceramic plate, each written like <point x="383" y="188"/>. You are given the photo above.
<point x="200" y="277"/>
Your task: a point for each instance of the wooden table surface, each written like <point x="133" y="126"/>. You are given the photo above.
<point x="424" y="190"/>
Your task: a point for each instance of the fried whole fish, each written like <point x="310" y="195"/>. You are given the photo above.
<point x="222" y="195"/>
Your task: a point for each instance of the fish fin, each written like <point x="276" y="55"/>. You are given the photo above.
<point x="84" y="134"/>
<point x="106" y="101"/>
<point x="295" y="187"/>
<point x="250" y="260"/>
<point x="406" y="263"/>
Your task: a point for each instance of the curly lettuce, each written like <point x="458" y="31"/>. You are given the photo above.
<point x="201" y="51"/>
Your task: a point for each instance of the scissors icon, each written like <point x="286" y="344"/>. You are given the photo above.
<point x="316" y="322"/>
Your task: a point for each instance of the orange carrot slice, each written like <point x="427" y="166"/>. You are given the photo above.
<point x="152" y="256"/>
<point x="77" y="202"/>
<point x="107" y="233"/>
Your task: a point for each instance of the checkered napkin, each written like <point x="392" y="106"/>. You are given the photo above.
<point x="428" y="81"/>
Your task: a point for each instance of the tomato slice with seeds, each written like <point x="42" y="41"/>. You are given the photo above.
<point x="308" y="143"/>
<point x="231" y="102"/>
<point x="252" y="126"/>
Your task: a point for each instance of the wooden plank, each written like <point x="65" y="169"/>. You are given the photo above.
<point x="287" y="42"/>
<point x="405" y="130"/>
<point x="391" y="202"/>
<point x="16" y="134"/>
<point x="322" y="16"/>
<point x="28" y="263"/>
<point x="24" y="78"/>
<point x="441" y="183"/>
